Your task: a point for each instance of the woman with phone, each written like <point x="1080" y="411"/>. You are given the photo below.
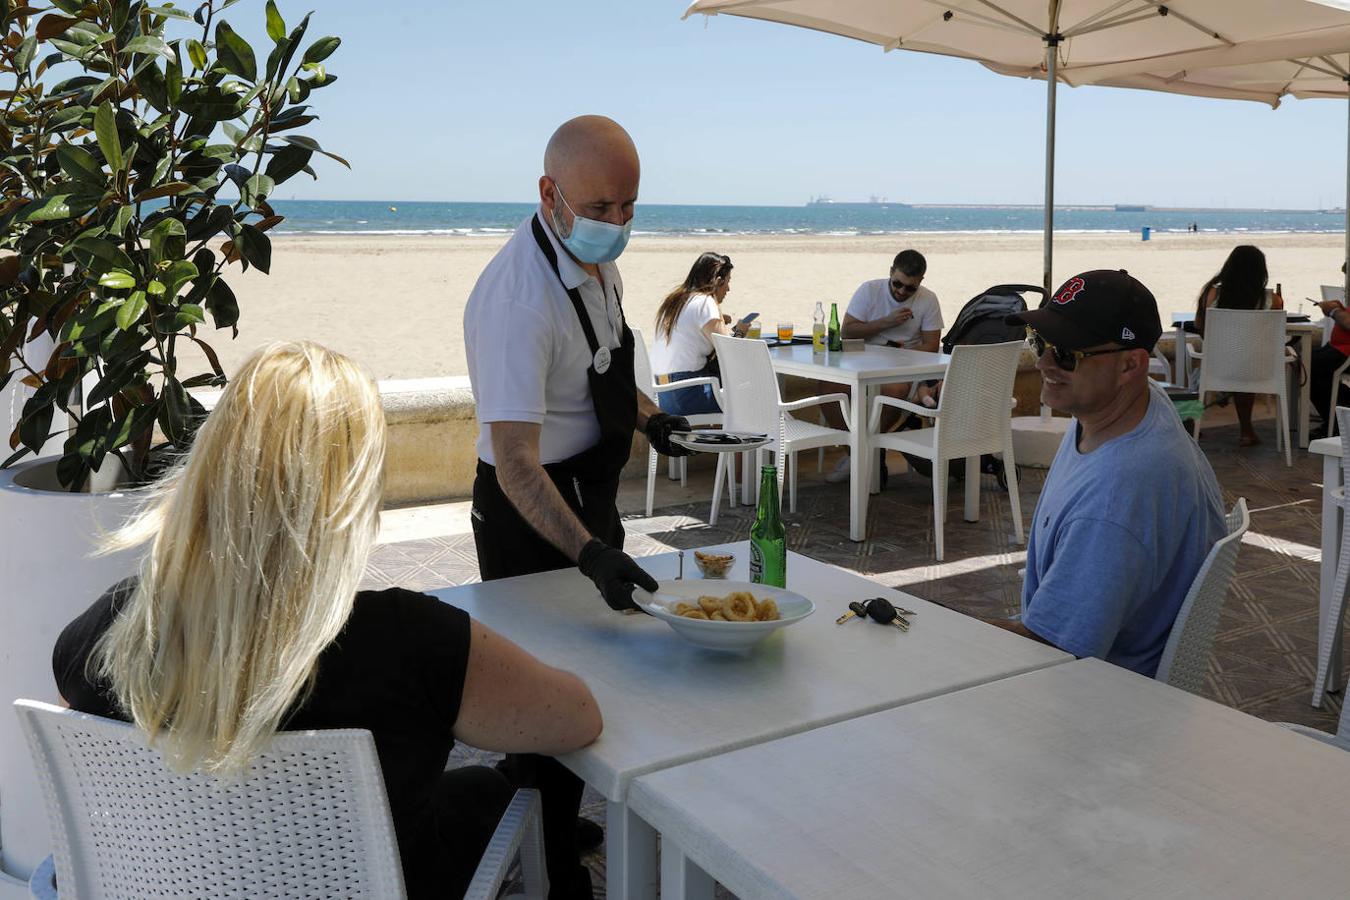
<point x="685" y="323"/>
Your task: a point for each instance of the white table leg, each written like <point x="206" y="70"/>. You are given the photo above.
<point x="1181" y="357"/>
<point x="1326" y="603"/>
<point x="630" y="855"/>
<point x="1305" y="348"/>
<point x="972" y="489"/>
<point x="873" y="459"/>
<point x="859" y="465"/>
<point x="681" y="879"/>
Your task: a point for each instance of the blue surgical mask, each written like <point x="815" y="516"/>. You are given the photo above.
<point x="591" y="240"/>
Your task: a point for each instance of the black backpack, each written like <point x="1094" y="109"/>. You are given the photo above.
<point x="981" y="320"/>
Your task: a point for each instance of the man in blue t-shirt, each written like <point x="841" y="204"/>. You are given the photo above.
<point x="1131" y="507"/>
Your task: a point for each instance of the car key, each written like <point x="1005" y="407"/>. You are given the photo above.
<point x="879" y="609"/>
<point x="855" y="610"/>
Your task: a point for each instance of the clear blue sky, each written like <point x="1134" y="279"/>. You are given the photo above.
<point x="455" y="100"/>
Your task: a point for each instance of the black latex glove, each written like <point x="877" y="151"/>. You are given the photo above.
<point x="659" y="427"/>
<point x="614" y="573"/>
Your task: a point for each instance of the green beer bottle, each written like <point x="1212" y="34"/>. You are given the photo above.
<point x="768" y="538"/>
<point x="836" y="336"/>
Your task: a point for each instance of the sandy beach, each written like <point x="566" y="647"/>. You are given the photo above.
<point x="397" y="303"/>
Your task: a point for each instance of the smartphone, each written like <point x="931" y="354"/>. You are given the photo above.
<point x="750" y="317"/>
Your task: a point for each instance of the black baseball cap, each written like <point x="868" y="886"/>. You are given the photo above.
<point x="1098" y="307"/>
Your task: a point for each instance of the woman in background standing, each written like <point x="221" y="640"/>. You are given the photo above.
<point x="1240" y="284"/>
<point x="685" y="323"/>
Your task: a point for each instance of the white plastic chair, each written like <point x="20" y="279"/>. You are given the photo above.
<point x="642" y="372"/>
<point x="1244" y="352"/>
<point x="752" y="402"/>
<point x="1340" y="739"/>
<point x="1338" y="379"/>
<point x="1328" y="634"/>
<point x="972" y="418"/>
<point x="1185" y="657"/>
<point x="310" y="819"/>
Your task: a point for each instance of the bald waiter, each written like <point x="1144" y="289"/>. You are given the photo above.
<point x="551" y="364"/>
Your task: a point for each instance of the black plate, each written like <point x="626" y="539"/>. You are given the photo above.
<point x="796" y="339"/>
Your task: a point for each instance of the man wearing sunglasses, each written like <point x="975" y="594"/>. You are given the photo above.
<point x="896" y="311"/>
<point x="1131" y="507"/>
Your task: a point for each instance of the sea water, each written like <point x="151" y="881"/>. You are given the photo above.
<point x="498" y="219"/>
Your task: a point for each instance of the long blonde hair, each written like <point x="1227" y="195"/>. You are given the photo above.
<point x="257" y="543"/>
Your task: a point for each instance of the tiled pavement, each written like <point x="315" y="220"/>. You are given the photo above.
<point x="1265" y="651"/>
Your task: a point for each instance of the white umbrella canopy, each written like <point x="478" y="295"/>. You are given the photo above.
<point x="1073" y="41"/>
<point x="1323" y="76"/>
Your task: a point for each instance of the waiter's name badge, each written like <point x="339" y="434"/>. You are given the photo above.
<point x="602" y="360"/>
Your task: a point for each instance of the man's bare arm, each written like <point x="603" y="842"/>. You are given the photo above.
<point x="525" y="483"/>
<point x="857" y="328"/>
<point x="929" y="340"/>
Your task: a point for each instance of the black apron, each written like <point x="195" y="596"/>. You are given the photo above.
<point x="508" y="545"/>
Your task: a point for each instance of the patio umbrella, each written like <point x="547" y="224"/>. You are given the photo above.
<point x="1070" y="41"/>
<point x="1325" y="75"/>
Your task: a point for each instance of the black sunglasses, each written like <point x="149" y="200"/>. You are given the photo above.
<point x="1066" y="359"/>
<point x="907" y="288"/>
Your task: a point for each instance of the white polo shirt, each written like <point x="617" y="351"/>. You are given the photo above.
<point x="526" y="350"/>
<point x="872" y="300"/>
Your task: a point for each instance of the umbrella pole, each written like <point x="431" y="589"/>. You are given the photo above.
<point x="1345" y="281"/>
<point x="1051" y="52"/>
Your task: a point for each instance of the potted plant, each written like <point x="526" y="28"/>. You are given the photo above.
<point x="139" y="145"/>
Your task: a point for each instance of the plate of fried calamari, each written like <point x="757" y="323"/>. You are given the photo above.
<point x="724" y="615"/>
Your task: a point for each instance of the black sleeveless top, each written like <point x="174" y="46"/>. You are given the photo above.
<point x="397" y="669"/>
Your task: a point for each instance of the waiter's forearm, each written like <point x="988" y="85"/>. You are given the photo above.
<point x="536" y="498"/>
<point x="646" y="409"/>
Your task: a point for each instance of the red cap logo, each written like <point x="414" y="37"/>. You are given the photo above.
<point x="1071" y="289"/>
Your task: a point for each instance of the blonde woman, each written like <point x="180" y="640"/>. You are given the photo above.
<point x="245" y="619"/>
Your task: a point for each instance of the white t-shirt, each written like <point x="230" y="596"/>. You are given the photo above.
<point x="688" y="347"/>
<point x="526" y="351"/>
<point x="872" y="300"/>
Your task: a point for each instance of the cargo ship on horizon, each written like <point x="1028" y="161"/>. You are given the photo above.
<point x="874" y="200"/>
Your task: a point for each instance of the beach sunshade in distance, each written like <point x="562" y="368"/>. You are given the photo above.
<point x="1070" y="41"/>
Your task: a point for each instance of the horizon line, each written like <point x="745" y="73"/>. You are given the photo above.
<point x="1107" y="207"/>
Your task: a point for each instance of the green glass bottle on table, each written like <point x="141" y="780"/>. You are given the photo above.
<point x="836" y="337"/>
<point x="768" y="537"/>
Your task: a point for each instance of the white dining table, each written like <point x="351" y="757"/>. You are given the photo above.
<point x="1080" y="780"/>
<point x="667" y="702"/>
<point x="1304" y="331"/>
<point x="1333" y="520"/>
<point x="862" y="371"/>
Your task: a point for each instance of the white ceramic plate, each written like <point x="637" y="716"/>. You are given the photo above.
<point x="792" y="608"/>
<point x="711" y="441"/>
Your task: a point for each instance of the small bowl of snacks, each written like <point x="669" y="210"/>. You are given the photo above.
<point x="737" y="615"/>
<point x="714" y="565"/>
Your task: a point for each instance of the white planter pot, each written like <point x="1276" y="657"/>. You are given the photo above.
<point x="47" y="577"/>
<point x="15" y="394"/>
